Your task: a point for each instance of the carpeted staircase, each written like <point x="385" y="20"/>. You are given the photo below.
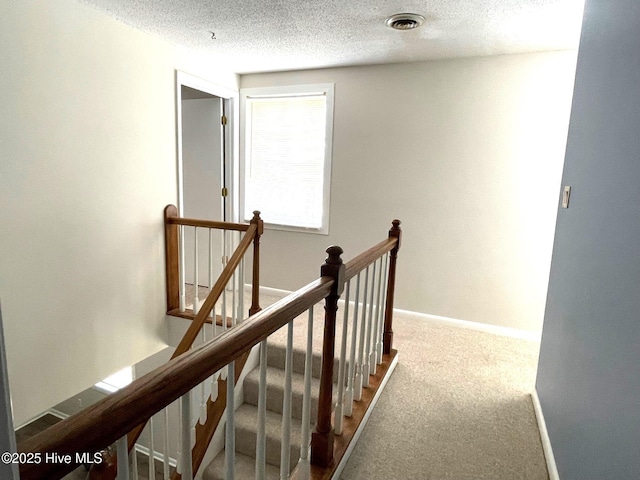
<point x="247" y="413"/>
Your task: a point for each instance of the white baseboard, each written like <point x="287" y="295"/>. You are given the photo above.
<point x="453" y="322"/>
<point x="272" y="292"/>
<point x="481" y="327"/>
<point x="544" y="437"/>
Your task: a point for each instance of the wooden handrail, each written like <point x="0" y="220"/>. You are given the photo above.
<point x="366" y="258"/>
<point x="103" y="423"/>
<point x="193" y="222"/>
<point x="216" y="291"/>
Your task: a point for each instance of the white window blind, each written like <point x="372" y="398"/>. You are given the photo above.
<point x="287" y="158"/>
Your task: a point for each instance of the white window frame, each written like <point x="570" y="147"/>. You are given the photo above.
<point x="290" y="90"/>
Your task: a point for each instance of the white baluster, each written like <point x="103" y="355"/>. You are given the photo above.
<point x="214" y="386"/>
<point x="306" y="400"/>
<point x="223" y="372"/>
<point x="342" y="364"/>
<point x="367" y="367"/>
<point x="195" y="413"/>
<point x="196" y="283"/>
<point x="241" y="308"/>
<point x="224" y="309"/>
<point x="233" y="284"/>
<point x="285" y="450"/>
<point x="238" y="284"/>
<point x="214" y="322"/>
<point x="234" y="318"/>
<point x="180" y="429"/>
<point x="348" y="395"/>
<point x="185" y="457"/>
<point x="223" y="313"/>
<point x="359" y="383"/>
<point x="261" y="443"/>
<point x="375" y="323"/>
<point x="181" y="271"/>
<point x="166" y="443"/>
<point x="122" y="450"/>
<point x="213" y="390"/>
<point x="203" y="386"/>
<point x="134" y="463"/>
<point x="152" y="452"/>
<point x="375" y="310"/>
<point x="212" y="280"/>
<point x="230" y="431"/>
<point x="383" y="305"/>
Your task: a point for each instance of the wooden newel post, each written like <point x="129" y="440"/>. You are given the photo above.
<point x="255" y="286"/>
<point x="387" y="338"/>
<point x="172" y="258"/>
<point x="322" y="438"/>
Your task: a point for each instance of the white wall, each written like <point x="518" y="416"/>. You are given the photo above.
<point x="87" y="129"/>
<point x="468" y="154"/>
<point x="7" y="433"/>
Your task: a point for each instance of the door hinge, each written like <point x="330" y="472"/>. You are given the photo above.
<point x="223" y="119"/>
<point x="225" y="192"/>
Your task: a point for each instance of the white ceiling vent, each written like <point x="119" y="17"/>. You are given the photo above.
<point x="404" y="21"/>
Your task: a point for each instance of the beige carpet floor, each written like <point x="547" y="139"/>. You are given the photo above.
<point x="458" y="406"/>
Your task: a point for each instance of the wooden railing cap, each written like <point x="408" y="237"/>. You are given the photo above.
<point x="257" y="220"/>
<point x="334" y="252"/>
<point x="396" y="232"/>
<point x="334" y="268"/>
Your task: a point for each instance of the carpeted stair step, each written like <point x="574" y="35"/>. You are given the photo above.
<point x="244" y="468"/>
<point x="246" y="422"/>
<point x="247" y="414"/>
<point x="276" y="357"/>
<point x="275" y="391"/>
<point x="246" y="426"/>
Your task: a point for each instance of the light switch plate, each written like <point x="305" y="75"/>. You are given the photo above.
<point x="566" y="193"/>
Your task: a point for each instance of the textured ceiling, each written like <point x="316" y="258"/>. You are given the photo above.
<point x="274" y="35"/>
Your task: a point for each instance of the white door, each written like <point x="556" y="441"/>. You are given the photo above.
<point x="203" y="182"/>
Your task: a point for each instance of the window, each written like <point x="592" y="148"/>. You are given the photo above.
<point x="287" y="155"/>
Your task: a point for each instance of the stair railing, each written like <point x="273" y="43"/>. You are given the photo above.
<point x="204" y="412"/>
<point x="367" y="327"/>
<point x="176" y="264"/>
<point x="110" y="420"/>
